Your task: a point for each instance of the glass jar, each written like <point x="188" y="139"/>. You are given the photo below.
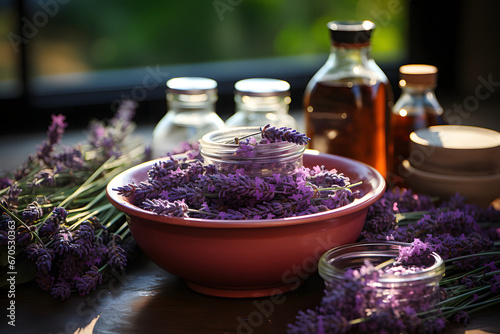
<point x="262" y="101"/>
<point x="416" y="108"/>
<point x="191" y="114"/>
<point x="347" y="101"/>
<point x="420" y="287"/>
<point x="218" y="148"/>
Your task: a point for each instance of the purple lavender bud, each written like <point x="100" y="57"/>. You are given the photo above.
<point x="62" y="241"/>
<point x="246" y="147"/>
<point x="83" y="238"/>
<point x="61" y="290"/>
<point x="53" y="222"/>
<point x="88" y="282"/>
<point x="124" y="114"/>
<point x="24" y="235"/>
<point x="54" y="135"/>
<point x="166" y="208"/>
<point x="5" y="182"/>
<point x="407" y="201"/>
<point x="12" y="197"/>
<point x="117" y="256"/>
<point x="44" y="280"/>
<point x="41" y="256"/>
<point x="45" y="177"/>
<point x="416" y="254"/>
<point x="97" y="253"/>
<point x="274" y="134"/>
<point x="71" y="158"/>
<point x="32" y="213"/>
<point x="127" y="190"/>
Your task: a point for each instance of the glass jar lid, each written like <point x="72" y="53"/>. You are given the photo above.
<point x="262" y="87"/>
<point x="192" y="85"/>
<point x="418" y="75"/>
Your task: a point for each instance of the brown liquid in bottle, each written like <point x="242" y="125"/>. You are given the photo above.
<point x="402" y="126"/>
<point x="348" y="119"/>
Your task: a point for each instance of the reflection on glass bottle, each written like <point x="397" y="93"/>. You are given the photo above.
<point x="347" y="101"/>
<point x="191" y="114"/>
<point x="416" y="108"/>
<point x="262" y="101"/>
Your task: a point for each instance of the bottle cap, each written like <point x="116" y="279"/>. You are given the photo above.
<point x="418" y="74"/>
<point x="351" y="32"/>
<point x="262" y="87"/>
<point x="192" y="85"/>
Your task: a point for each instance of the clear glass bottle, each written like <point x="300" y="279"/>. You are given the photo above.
<point x="262" y="101"/>
<point x="409" y="288"/>
<point x="416" y="108"/>
<point x="218" y="148"/>
<point x="347" y="101"/>
<point x="191" y="114"/>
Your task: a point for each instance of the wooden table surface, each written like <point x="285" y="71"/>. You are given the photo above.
<point x="147" y="299"/>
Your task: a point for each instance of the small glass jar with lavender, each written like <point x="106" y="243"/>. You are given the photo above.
<point x="256" y="158"/>
<point x="395" y="283"/>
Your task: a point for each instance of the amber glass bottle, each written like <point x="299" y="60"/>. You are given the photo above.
<point x="347" y="101"/>
<point x="416" y="108"/>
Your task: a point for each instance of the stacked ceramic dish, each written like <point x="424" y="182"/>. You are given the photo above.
<point x="447" y="159"/>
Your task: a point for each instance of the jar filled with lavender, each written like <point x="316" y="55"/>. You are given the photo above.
<point x="254" y="151"/>
<point x="392" y="274"/>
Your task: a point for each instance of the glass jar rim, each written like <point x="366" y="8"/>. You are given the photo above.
<point x="329" y="272"/>
<point x="215" y="144"/>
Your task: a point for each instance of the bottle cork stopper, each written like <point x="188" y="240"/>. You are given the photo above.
<point x="418" y="74"/>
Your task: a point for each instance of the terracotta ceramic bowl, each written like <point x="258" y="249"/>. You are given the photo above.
<point x="248" y="258"/>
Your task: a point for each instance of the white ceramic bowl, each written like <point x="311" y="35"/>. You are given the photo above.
<point x="479" y="189"/>
<point x="456" y="150"/>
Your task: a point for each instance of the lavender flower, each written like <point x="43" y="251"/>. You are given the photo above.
<point x="83" y="239"/>
<point x="44" y="280"/>
<point x="12" y="198"/>
<point x="416" y="254"/>
<point x="24" y="235"/>
<point x="32" y="213"/>
<point x="166" y="208"/>
<point x="87" y="282"/>
<point x="61" y="290"/>
<point x="406" y="201"/>
<point x="54" y="135"/>
<point x="5" y="182"/>
<point x="274" y="134"/>
<point x="62" y="241"/>
<point x="117" y="257"/>
<point x="45" y="177"/>
<point x="41" y="256"/>
<point x="69" y="159"/>
<point x="52" y="223"/>
<point x="124" y="114"/>
<point x="246" y="147"/>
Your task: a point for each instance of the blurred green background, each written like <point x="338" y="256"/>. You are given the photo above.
<point x="97" y="35"/>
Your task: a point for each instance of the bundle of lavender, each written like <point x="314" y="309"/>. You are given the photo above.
<point x="56" y="225"/>
<point x="466" y="236"/>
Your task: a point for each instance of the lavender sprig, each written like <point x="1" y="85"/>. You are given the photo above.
<point x="271" y="134"/>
